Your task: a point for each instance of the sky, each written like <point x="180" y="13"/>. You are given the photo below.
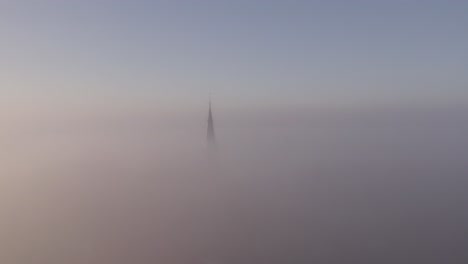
<point x="171" y="54"/>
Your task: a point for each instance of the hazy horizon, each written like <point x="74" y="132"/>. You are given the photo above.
<point x="341" y="130"/>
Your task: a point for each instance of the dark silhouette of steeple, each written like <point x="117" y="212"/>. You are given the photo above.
<point x="210" y="135"/>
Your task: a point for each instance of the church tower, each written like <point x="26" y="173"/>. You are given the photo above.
<point x="210" y="134"/>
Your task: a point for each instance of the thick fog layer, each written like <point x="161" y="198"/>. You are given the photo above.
<point x="379" y="186"/>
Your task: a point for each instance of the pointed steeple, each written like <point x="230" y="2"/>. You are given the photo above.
<point x="210" y="135"/>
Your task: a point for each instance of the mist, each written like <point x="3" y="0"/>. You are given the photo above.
<point x="284" y="186"/>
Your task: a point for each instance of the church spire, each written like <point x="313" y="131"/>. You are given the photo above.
<point x="210" y="135"/>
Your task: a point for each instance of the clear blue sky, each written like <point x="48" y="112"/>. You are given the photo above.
<point x="249" y="53"/>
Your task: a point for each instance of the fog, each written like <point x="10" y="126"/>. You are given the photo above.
<point x="302" y="186"/>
